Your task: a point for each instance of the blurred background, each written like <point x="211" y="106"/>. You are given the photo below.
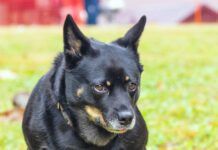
<point x="44" y="12"/>
<point x="178" y="49"/>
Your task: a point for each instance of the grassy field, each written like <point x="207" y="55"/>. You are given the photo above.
<point x="179" y="93"/>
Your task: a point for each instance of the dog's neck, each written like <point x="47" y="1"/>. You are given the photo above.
<point x="90" y="132"/>
<point x="85" y="128"/>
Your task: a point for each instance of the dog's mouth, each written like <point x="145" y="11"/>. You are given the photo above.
<point x="120" y="131"/>
<point x="96" y="116"/>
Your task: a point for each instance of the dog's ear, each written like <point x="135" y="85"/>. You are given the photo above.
<point x="75" y="43"/>
<point x="131" y="38"/>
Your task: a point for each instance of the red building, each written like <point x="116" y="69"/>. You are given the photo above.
<point x="202" y="13"/>
<point x="40" y="11"/>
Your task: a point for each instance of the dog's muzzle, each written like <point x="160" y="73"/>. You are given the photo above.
<point x="125" y="121"/>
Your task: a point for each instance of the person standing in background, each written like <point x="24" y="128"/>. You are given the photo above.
<point x="92" y="9"/>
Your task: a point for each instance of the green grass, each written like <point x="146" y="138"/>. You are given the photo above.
<point x="179" y="93"/>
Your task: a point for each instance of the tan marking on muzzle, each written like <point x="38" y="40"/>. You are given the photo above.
<point x="79" y="91"/>
<point x="95" y="114"/>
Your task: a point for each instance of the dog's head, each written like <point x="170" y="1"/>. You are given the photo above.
<point x="103" y="79"/>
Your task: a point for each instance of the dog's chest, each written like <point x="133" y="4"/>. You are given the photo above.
<point x="74" y="143"/>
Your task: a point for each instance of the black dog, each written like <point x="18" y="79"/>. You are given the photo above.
<point x="87" y="101"/>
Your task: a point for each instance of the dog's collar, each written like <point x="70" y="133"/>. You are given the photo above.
<point x="64" y="114"/>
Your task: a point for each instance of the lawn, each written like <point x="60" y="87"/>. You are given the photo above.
<point x="179" y="92"/>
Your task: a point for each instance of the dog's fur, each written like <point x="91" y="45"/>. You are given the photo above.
<point x="76" y="105"/>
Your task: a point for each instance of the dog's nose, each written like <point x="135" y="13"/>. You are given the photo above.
<point x="125" y="117"/>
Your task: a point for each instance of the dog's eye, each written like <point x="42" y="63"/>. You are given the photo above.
<point x="100" y="88"/>
<point x="132" y="87"/>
